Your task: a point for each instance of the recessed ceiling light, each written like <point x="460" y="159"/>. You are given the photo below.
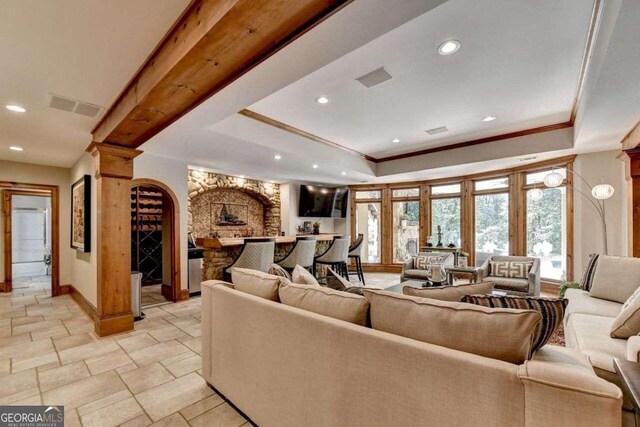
<point x="343" y="173"/>
<point x="277" y="157"/>
<point x="489" y="118"/>
<point x="322" y="100"/>
<point x="315" y="166"/>
<point x="395" y="140"/>
<point x="16" y="148"/>
<point x="448" y="47"/>
<point x="16" y="108"/>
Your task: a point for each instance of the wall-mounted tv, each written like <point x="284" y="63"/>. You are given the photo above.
<point x="323" y="202"/>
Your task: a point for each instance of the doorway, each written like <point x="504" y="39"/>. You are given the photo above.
<point x="155" y="251"/>
<point x="31" y="240"/>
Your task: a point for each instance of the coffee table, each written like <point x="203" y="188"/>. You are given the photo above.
<point x="418" y="284"/>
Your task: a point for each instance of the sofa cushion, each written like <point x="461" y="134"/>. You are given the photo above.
<point x="568" y="358"/>
<point x="589" y="334"/>
<point x="302" y="276"/>
<point x="627" y="323"/>
<point x="328" y="302"/>
<point x="616" y="278"/>
<point x="581" y="302"/>
<point x="510" y="269"/>
<point x="497" y="333"/>
<point x="449" y="293"/>
<point x="256" y="283"/>
<point x="518" y="285"/>
<point x="551" y="309"/>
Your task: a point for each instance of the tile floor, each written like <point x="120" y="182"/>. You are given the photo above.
<point x="151" y="295"/>
<point x="50" y="355"/>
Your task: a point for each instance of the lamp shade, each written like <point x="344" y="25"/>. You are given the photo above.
<point x="535" y="194"/>
<point x="553" y="179"/>
<point x="602" y="191"/>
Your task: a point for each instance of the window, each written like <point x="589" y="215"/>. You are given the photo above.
<point x="406" y="192"/>
<point x="547" y="231"/>
<point x="538" y="177"/>
<point x="406" y="228"/>
<point x="368" y="222"/>
<point x="446" y="214"/>
<point x="445" y="189"/>
<point x="373" y="194"/>
<point x="492" y="226"/>
<point x="491" y="184"/>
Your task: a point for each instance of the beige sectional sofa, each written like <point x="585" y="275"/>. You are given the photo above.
<point x="284" y="366"/>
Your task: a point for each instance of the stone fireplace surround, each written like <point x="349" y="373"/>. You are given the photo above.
<point x="266" y="193"/>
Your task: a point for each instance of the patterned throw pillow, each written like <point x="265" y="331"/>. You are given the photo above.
<point x="511" y="269"/>
<point x="276" y="270"/>
<point x="552" y="310"/>
<point x="339" y="283"/>
<point x="589" y="272"/>
<point x="424" y="262"/>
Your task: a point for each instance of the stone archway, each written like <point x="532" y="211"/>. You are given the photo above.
<point x="173" y="238"/>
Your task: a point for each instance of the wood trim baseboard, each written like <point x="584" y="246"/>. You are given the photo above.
<point x="184" y="294"/>
<point x="85" y="305"/>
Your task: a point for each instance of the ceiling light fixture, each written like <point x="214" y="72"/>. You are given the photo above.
<point x="16" y="148"/>
<point x="395" y="140"/>
<point x="448" y="47"/>
<point x="343" y="173"/>
<point x="16" y="108"/>
<point x="322" y="100"/>
<point x="489" y="118"/>
<point x="277" y="157"/>
<point x="315" y="166"/>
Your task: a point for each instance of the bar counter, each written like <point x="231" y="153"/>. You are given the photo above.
<point x="221" y="252"/>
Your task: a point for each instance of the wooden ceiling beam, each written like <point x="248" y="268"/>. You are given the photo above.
<point x="213" y="43"/>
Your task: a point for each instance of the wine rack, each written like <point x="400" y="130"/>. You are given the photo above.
<point x="146" y="234"/>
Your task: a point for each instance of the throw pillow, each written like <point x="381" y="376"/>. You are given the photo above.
<point x="425" y="262"/>
<point x="498" y="333"/>
<point x="327" y="302"/>
<point x="511" y="269"/>
<point x="615" y="278"/>
<point x="587" y="276"/>
<point x="551" y="309"/>
<point x="257" y="283"/>
<point x="627" y="323"/>
<point x="302" y="276"/>
<point x="276" y="270"/>
<point x="449" y="293"/>
<point x="339" y="283"/>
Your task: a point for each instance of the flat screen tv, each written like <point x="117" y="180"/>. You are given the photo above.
<point x="323" y="202"/>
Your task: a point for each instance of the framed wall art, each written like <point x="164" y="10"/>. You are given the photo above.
<point x="81" y="214"/>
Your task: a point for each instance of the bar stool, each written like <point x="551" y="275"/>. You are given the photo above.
<point x="355" y="250"/>
<point x="256" y="254"/>
<point x="302" y="254"/>
<point x="335" y="256"/>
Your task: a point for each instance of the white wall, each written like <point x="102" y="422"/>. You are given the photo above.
<point x="289" y="199"/>
<point x="587" y="224"/>
<point x="84" y="266"/>
<point x="37" y="174"/>
<point x="172" y="173"/>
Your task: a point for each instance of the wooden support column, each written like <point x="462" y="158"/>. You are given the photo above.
<point x="468" y="221"/>
<point x="113" y="172"/>
<point x="633" y="204"/>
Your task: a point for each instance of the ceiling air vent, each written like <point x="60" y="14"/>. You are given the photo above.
<point x="74" y="106"/>
<point x="375" y="77"/>
<point x="435" y="131"/>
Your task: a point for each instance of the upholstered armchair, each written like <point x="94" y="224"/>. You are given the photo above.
<point x="512" y="278"/>
<point x="411" y="271"/>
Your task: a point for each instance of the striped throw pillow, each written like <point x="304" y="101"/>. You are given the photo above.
<point x="589" y="272"/>
<point x="552" y="310"/>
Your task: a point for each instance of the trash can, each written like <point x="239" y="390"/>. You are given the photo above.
<point x="136" y="295"/>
